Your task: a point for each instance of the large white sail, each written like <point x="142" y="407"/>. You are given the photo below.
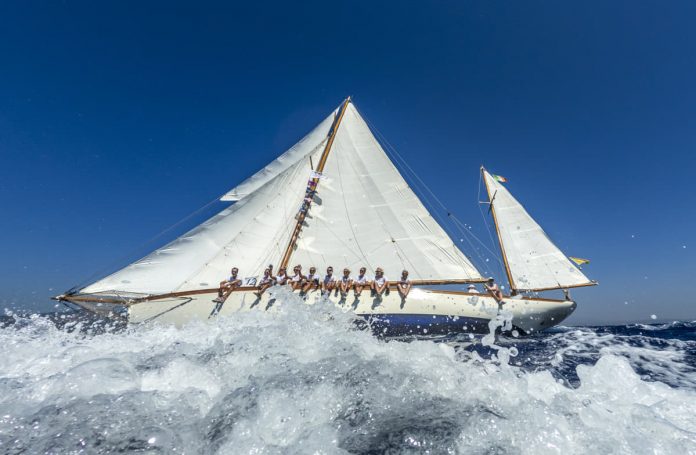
<point x="250" y="234"/>
<point x="533" y="261"/>
<point x="365" y="214"/>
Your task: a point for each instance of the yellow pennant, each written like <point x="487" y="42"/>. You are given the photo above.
<point x="579" y="261"/>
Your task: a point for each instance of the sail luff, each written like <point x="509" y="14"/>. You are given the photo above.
<point x="320" y="168"/>
<point x="497" y="230"/>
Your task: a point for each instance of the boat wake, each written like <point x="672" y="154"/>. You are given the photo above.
<point x="306" y="379"/>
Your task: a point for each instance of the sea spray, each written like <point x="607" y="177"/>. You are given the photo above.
<point x="304" y="379"/>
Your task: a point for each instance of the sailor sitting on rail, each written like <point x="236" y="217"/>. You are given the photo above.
<point x="404" y="285"/>
<point x="329" y="282"/>
<point x="360" y="282"/>
<point x="297" y="278"/>
<point x="282" y="278"/>
<point x="311" y="281"/>
<point x="265" y="282"/>
<point x="493" y="289"/>
<point x="345" y="283"/>
<point x="228" y="285"/>
<point x="379" y="285"/>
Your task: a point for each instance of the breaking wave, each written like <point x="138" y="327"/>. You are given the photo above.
<point x="306" y="380"/>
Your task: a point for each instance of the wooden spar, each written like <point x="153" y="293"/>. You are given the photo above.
<point x="505" y="296"/>
<point x="500" y="239"/>
<point x="77" y="299"/>
<point x="441" y="282"/>
<point x="591" y="283"/>
<point x="131" y="301"/>
<point x="320" y="168"/>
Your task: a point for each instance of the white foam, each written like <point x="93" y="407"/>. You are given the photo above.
<point x="305" y="380"/>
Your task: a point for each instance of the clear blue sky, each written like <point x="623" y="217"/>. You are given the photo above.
<point x="118" y="119"/>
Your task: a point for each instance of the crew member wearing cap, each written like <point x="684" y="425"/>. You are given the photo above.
<point x="228" y="285"/>
<point x="471" y="289"/>
<point x="379" y="285"/>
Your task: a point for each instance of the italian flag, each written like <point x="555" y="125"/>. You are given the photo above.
<point x="499" y="178"/>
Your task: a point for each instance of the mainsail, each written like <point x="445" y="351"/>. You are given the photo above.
<point x="366" y="214"/>
<point x="363" y="213"/>
<point x="532" y="261"/>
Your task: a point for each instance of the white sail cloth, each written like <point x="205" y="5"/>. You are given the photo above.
<point x="250" y="234"/>
<point x="365" y="214"/>
<point x="534" y="262"/>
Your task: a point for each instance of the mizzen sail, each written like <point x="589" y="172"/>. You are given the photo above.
<point x="532" y="260"/>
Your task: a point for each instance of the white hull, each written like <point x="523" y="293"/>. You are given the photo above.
<point x="424" y="311"/>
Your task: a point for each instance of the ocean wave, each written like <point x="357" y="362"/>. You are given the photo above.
<point x="306" y="380"/>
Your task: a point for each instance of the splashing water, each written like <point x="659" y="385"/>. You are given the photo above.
<point x="305" y="380"/>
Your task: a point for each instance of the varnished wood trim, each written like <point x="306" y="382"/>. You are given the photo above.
<point x="130" y="301"/>
<point x="591" y="283"/>
<point x="497" y="230"/>
<point x="485" y="294"/>
<point x="320" y="168"/>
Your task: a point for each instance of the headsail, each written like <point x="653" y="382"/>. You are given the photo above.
<point x="365" y="214"/>
<point x="250" y="234"/>
<point x="532" y="261"/>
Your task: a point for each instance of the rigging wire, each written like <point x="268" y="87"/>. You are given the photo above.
<point x="461" y="227"/>
<point x="450" y="217"/>
<point x="103" y="271"/>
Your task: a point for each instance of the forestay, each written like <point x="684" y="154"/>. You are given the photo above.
<point x="533" y="261"/>
<point x="365" y="214"/>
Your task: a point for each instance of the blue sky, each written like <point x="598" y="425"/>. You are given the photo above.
<point x="118" y="119"/>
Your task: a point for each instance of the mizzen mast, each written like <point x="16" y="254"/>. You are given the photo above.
<point x="320" y="168"/>
<point x="491" y="198"/>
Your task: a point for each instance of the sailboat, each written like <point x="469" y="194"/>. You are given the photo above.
<point x="336" y="199"/>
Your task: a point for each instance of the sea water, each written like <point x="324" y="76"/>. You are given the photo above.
<point x="308" y="380"/>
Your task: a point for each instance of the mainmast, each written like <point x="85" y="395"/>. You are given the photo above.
<point x="513" y="289"/>
<point x="320" y="168"/>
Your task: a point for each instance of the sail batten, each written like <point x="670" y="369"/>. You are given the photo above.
<point x="532" y="261"/>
